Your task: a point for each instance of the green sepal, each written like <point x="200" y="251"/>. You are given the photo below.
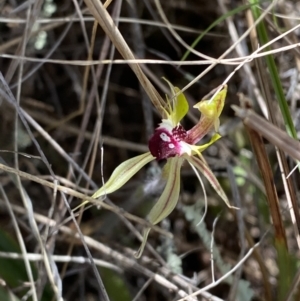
<point x="212" y="109"/>
<point x="139" y="252"/>
<point x="123" y="173"/>
<point x="167" y="201"/>
<point x="201" y="165"/>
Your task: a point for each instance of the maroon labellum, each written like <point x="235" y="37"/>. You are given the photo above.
<point x="165" y="144"/>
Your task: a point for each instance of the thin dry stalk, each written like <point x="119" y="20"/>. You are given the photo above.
<point x="82" y="196"/>
<point x="107" y="24"/>
<point x="282" y="161"/>
<point x="176" y="283"/>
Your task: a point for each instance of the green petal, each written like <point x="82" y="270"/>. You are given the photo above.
<point x="180" y="105"/>
<point x="200" y="148"/>
<point x="202" y="166"/>
<point x="167" y="201"/>
<point x="124" y="172"/>
<point x="212" y="109"/>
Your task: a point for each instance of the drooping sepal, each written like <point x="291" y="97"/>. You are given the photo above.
<point x="139" y="252"/>
<point x="167" y="201"/>
<point x="203" y="167"/>
<point x="123" y="173"/>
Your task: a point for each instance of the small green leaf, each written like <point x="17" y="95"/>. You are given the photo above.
<point x="115" y="285"/>
<point x="167" y="201"/>
<point x="287" y="268"/>
<point x="123" y="173"/>
<point x="12" y="271"/>
<point x="202" y="166"/>
<point x="7" y="295"/>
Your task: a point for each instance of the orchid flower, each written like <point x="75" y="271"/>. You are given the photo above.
<point x="172" y="142"/>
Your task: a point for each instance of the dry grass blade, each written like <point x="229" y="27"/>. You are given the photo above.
<point x="82" y="196"/>
<point x="177" y="283"/>
<point x="269" y="131"/>
<point x="285" y="143"/>
<point x="71" y="110"/>
<point x="259" y="35"/>
<point x="22" y="244"/>
<point x="267" y="175"/>
<point x="104" y="19"/>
